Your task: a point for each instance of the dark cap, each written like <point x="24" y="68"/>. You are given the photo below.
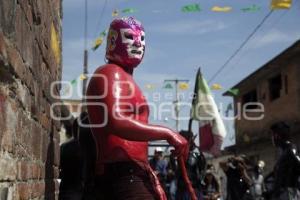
<point x="280" y="128"/>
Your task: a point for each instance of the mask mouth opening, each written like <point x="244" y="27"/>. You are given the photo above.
<point x="136" y="52"/>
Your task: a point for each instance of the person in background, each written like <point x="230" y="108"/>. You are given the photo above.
<point x="88" y="147"/>
<point x="196" y="168"/>
<point x="286" y="169"/>
<point x="159" y="165"/>
<point x="211" y="188"/>
<point x="238" y="180"/>
<point x="223" y="188"/>
<point x="258" y="188"/>
<point x="171" y="176"/>
<point x="71" y="159"/>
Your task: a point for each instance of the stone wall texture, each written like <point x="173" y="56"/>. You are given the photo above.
<point x="30" y="51"/>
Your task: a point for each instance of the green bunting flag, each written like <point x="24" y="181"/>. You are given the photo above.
<point x="168" y="86"/>
<point x="74" y="81"/>
<point x="191" y="8"/>
<point x="99" y="40"/>
<point x="234" y="91"/>
<point x="129" y="10"/>
<point x="103" y="33"/>
<point x="252" y="8"/>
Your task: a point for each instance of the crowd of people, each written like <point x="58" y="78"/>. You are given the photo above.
<point x="202" y="176"/>
<point x="245" y="178"/>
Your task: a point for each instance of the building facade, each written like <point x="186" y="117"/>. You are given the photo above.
<point x="269" y="95"/>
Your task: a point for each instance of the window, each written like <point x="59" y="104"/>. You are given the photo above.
<point x="275" y="86"/>
<point x="286" y="84"/>
<point x="250" y="97"/>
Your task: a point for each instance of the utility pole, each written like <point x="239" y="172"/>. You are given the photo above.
<point x="176" y="101"/>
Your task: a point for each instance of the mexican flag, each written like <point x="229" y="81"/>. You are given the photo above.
<point x="204" y="109"/>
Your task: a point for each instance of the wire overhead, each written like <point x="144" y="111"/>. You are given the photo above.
<point x="241" y="46"/>
<point x="100" y="18"/>
<point x="262" y="37"/>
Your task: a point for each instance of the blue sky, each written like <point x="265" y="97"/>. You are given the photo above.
<point x="177" y="43"/>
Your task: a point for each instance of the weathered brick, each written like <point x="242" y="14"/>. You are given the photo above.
<point x="8" y="168"/>
<point x="23" y="191"/>
<point x="23" y="95"/>
<point x="26" y="7"/>
<point x="7" y="16"/>
<point x="23" y="134"/>
<point x="45" y="147"/>
<point x="36" y="13"/>
<point x="24" y="38"/>
<point x="36" y="174"/>
<point x="36" y="141"/>
<point x="58" y="8"/>
<point x="56" y="152"/>
<point x="38" y="189"/>
<point x="8" y="137"/>
<point x="46" y="78"/>
<point x="35" y="103"/>
<point x="3" y="97"/>
<point x="45" y="121"/>
<point x="3" y="192"/>
<point x="24" y="170"/>
<point x="3" y="51"/>
<point x="15" y="60"/>
<point x="42" y="171"/>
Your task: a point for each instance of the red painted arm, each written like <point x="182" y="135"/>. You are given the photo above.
<point x="186" y="179"/>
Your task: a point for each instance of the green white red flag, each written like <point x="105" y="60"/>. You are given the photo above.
<point x="204" y="109"/>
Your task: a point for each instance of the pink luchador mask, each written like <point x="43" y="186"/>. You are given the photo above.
<point x="125" y="42"/>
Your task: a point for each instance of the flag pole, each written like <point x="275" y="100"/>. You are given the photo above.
<point x="194" y="97"/>
<point x="181" y="160"/>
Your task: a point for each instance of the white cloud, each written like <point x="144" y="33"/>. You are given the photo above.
<point x="275" y="37"/>
<point x="192" y="27"/>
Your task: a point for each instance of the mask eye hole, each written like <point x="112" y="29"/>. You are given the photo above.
<point x="142" y="38"/>
<point x="128" y="36"/>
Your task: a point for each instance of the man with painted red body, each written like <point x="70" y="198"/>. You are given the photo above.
<point x="118" y="113"/>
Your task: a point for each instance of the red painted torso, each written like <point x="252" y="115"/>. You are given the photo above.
<point x="112" y="148"/>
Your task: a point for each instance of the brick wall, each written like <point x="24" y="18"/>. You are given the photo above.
<point x="30" y="43"/>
